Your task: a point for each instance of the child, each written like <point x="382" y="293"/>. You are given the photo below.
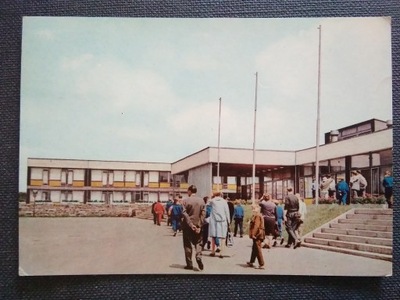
<point x="257" y="234"/>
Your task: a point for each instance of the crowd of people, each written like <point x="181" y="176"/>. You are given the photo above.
<point x="355" y="188"/>
<point x="206" y="222"/>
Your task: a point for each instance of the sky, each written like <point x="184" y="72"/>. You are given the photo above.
<point x="148" y="89"/>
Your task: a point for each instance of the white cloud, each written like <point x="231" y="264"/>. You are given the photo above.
<point x="117" y="86"/>
<point x="46" y="34"/>
<point x="76" y="63"/>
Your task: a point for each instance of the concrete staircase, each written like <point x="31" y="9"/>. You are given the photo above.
<point x="363" y="232"/>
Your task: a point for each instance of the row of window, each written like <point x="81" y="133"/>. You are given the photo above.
<point x="104" y="178"/>
<point x="99" y="197"/>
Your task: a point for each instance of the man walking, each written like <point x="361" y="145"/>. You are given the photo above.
<point x="193" y="219"/>
<point x="159" y="211"/>
<point x="292" y="218"/>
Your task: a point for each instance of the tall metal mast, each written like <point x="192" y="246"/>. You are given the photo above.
<point x="253" y="196"/>
<point x="219" y="138"/>
<point x="316" y="186"/>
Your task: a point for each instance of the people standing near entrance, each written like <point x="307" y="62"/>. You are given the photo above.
<point x="268" y="208"/>
<point x="292" y="218"/>
<point x="332" y="187"/>
<point x="238" y="216"/>
<point x="167" y="207"/>
<point x="193" y="218"/>
<point x="175" y="213"/>
<point x="313" y="188"/>
<point x="342" y="190"/>
<point x="363" y="184"/>
<point x="257" y="234"/>
<point x="355" y="184"/>
<point x="326" y="182"/>
<point x="159" y="210"/>
<point x="219" y="222"/>
<point x="388" y="185"/>
<point x="302" y="212"/>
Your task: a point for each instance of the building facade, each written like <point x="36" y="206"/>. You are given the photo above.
<point x="365" y="146"/>
<point x="99" y="182"/>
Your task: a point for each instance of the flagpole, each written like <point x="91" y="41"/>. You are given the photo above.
<point x="253" y="196"/>
<point x="219" y="138"/>
<point x="318" y="121"/>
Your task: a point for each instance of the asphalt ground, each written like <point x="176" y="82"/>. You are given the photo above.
<point x="91" y="246"/>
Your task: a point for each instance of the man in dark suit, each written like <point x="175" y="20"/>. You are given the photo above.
<point x="193" y="219"/>
<point x="292" y="219"/>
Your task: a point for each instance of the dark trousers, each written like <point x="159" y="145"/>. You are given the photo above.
<point x="292" y="223"/>
<point x="256" y="252"/>
<point x="238" y="224"/>
<point x="176" y="223"/>
<point x="388" y="196"/>
<point x="191" y="238"/>
<point x="204" y="234"/>
<point x="155" y="218"/>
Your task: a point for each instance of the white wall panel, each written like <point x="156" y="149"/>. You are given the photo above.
<point x="55" y="174"/>
<point x="55" y="196"/>
<point x="95" y="195"/>
<point x="97" y="175"/>
<point x="153" y="177"/>
<point x="119" y="175"/>
<point x="36" y="173"/>
<point x="79" y="174"/>
<point x="78" y="195"/>
<point x="153" y="197"/>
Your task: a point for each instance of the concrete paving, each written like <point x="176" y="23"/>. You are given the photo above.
<point x="82" y="246"/>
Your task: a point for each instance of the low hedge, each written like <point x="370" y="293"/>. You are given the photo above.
<point x="359" y="200"/>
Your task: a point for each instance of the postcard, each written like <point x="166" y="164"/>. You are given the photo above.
<point x="206" y="146"/>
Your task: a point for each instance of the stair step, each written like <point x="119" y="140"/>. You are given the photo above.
<point x="354" y="239"/>
<point x="369" y="217"/>
<point x="362" y="227"/>
<point x="370" y="211"/>
<point x="367" y="222"/>
<point x="366" y="233"/>
<point x="348" y="251"/>
<point x="353" y="246"/>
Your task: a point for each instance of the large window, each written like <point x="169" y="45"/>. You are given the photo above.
<point x="164" y="177"/>
<point x="360" y="161"/>
<point x="307" y="170"/>
<point x="382" y="158"/>
<point x="338" y="164"/>
<point x="324" y="167"/>
<point x="178" y="179"/>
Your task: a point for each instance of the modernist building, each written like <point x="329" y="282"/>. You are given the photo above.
<point x="90" y="181"/>
<point x="365" y="146"/>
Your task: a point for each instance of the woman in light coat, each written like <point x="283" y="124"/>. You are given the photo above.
<point x="218" y="223"/>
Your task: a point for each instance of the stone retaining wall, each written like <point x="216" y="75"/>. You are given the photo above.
<point x="80" y="210"/>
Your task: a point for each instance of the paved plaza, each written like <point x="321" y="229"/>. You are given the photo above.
<point x="81" y="246"/>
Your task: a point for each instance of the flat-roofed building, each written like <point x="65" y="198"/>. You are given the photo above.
<point x="93" y="181"/>
<point x="366" y="146"/>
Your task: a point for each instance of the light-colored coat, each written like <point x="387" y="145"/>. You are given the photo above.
<point x="219" y="218"/>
